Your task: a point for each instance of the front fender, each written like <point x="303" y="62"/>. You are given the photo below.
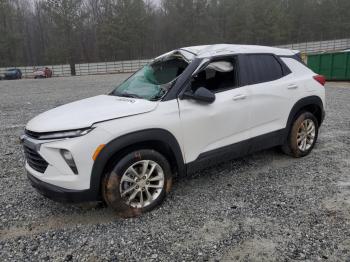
<point x="120" y="143"/>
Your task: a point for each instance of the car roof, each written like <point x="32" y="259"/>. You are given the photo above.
<point x="205" y="51"/>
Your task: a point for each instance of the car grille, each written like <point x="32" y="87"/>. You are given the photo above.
<point x="34" y="160"/>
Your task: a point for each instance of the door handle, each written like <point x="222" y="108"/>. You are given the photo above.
<point x="239" y="97"/>
<point x="292" y="86"/>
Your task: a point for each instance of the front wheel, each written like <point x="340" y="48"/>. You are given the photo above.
<point x="302" y="136"/>
<point x="138" y="183"/>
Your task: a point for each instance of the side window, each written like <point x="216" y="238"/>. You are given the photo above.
<point x="220" y="75"/>
<point x="263" y="68"/>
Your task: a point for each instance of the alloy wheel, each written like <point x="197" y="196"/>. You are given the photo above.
<point x="142" y="183"/>
<point x="306" y="135"/>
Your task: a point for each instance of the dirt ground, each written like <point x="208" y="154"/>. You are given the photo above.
<point x="262" y="207"/>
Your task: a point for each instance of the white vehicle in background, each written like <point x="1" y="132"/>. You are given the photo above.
<point x="188" y="109"/>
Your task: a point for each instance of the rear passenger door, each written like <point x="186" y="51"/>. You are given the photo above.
<point x="272" y="92"/>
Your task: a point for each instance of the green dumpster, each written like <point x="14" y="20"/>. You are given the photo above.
<point x="334" y="66"/>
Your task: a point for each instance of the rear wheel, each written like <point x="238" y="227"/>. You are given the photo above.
<point x="302" y="136"/>
<point x="138" y="183"/>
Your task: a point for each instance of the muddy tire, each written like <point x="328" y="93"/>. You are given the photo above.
<point x="302" y="135"/>
<point x="138" y="183"/>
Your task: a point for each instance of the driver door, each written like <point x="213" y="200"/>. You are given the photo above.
<point x="209" y="128"/>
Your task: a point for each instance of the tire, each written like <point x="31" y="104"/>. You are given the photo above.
<point x="121" y="184"/>
<point x="302" y="136"/>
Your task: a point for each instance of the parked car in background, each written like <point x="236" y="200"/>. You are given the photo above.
<point x="44" y="72"/>
<point x="13" y="73"/>
<point x="186" y="110"/>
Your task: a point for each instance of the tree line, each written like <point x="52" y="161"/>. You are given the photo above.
<point x="38" y="32"/>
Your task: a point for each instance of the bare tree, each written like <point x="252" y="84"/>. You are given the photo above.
<point x="73" y="31"/>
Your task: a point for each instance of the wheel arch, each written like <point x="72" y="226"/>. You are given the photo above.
<point x="313" y="104"/>
<point x="158" y="139"/>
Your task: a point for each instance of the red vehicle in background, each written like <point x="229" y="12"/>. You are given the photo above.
<point x="44" y="72"/>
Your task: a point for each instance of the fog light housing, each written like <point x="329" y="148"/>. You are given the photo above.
<point x="68" y="157"/>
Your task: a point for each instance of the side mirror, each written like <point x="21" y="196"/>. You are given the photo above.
<point x="202" y="94"/>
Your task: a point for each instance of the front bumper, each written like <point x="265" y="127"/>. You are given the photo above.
<point x="50" y="174"/>
<point x="61" y="194"/>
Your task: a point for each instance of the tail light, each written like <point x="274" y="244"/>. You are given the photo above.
<point x="321" y="79"/>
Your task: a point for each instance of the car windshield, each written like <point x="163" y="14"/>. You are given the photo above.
<point x="154" y="80"/>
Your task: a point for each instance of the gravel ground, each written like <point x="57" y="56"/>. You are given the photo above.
<point x="263" y="207"/>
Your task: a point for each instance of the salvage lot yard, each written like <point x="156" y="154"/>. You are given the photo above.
<point x="266" y="206"/>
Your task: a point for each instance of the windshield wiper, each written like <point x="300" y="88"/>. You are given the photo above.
<point x="129" y="95"/>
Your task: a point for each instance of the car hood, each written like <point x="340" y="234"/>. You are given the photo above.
<point x="86" y="112"/>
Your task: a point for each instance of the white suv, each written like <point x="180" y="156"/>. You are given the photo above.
<point x="186" y="110"/>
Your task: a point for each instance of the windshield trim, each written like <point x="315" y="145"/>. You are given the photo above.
<point x="182" y="80"/>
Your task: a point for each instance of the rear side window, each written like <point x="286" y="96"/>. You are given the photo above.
<point x="263" y="68"/>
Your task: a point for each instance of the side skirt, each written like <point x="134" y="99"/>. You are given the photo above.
<point x="236" y="150"/>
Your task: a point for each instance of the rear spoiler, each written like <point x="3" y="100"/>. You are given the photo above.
<point x="298" y="57"/>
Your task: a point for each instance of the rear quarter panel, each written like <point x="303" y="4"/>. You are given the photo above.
<point x="308" y="86"/>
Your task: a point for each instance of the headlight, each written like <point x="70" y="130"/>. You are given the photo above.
<point x="63" y="134"/>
